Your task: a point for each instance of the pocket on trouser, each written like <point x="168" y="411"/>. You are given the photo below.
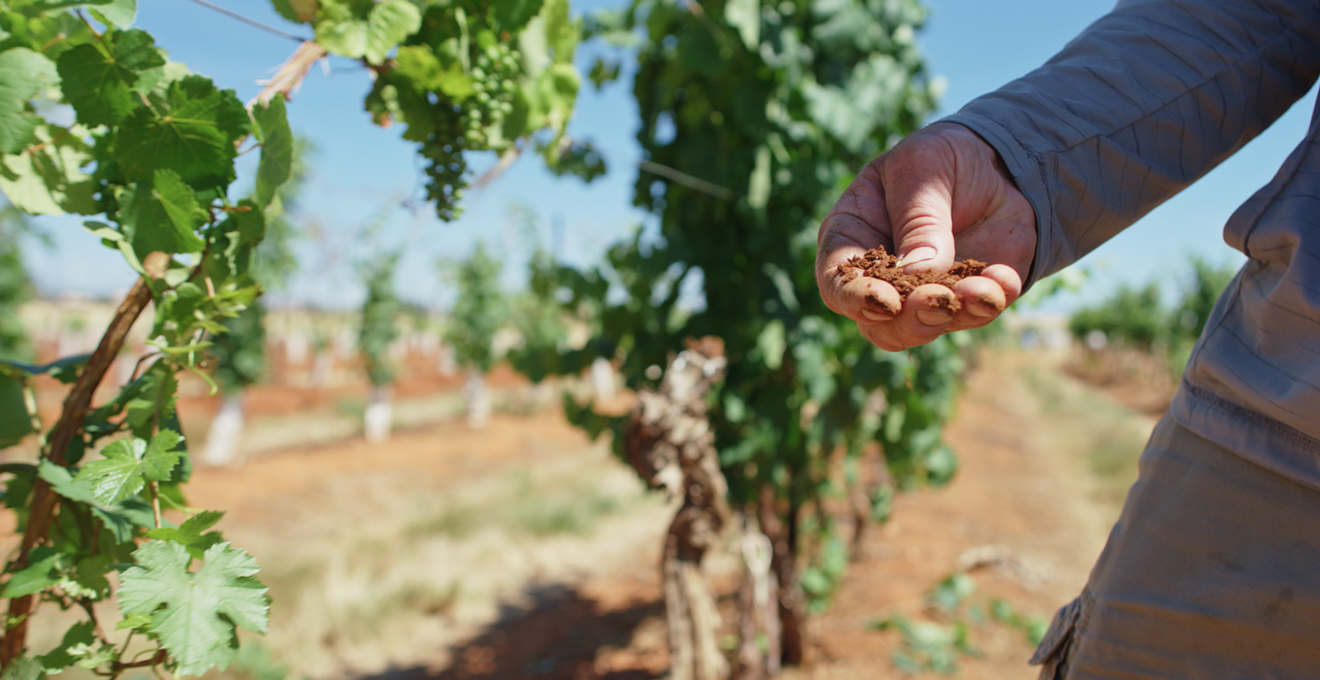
<point x="1055" y="649"/>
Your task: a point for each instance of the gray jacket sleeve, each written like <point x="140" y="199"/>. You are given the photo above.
<point x="1144" y="102"/>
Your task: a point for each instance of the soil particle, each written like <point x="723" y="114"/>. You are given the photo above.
<point x="877" y="263"/>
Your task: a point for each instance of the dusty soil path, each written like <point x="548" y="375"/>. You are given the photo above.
<point x="524" y="551"/>
<point x="1025" y="494"/>
<point x="389" y="556"/>
<point x="1030" y="493"/>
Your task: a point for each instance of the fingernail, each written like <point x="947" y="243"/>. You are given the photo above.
<point x="980" y="310"/>
<point x="933" y="317"/>
<point x="983" y="306"/>
<point x="917" y="256"/>
<point x="876" y="316"/>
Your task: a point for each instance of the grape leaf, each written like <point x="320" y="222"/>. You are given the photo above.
<point x="276" y="149"/>
<point x="79" y="647"/>
<point x="155" y="82"/>
<point x="98" y="78"/>
<point x="365" y="30"/>
<point x="37" y="576"/>
<point x="47" y="180"/>
<point x="22" y="668"/>
<point x="745" y="15"/>
<point x="389" y="23"/>
<point x="161" y="216"/>
<point x="298" y="11"/>
<point x="23" y="73"/>
<point x="134" y="621"/>
<point x="424" y="68"/>
<point x="15" y="423"/>
<point x="562" y="33"/>
<point x="129" y="464"/>
<point x="157" y="396"/>
<point x="119" y="519"/>
<point x="64" y="370"/>
<point x="512" y="15"/>
<point x="195" y="614"/>
<point x="64" y="484"/>
<point x="121" y="13"/>
<point x="193" y="534"/>
<point x="191" y="131"/>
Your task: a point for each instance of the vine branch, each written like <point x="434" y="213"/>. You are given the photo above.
<point x="76" y="406"/>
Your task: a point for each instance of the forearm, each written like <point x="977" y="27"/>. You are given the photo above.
<point x="1144" y="102"/>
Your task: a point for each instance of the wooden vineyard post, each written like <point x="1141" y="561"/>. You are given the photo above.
<point x="670" y="444"/>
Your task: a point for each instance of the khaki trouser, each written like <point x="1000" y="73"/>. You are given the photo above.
<point x="1212" y="571"/>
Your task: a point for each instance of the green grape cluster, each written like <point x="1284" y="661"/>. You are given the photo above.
<point x="495" y="70"/>
<point x="473" y="125"/>
<point x="446" y="169"/>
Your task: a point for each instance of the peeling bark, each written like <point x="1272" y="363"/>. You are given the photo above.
<point x="670" y="444"/>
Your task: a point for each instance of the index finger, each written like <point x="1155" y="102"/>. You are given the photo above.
<point x="860" y="298"/>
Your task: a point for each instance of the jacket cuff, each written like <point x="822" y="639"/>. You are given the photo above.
<point x="1028" y="171"/>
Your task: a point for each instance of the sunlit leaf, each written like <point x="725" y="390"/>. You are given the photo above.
<point x="98" y="77"/>
<point x="129" y="464"/>
<point x="194" y="614"/>
<point x="162" y="216"/>
<point x="23" y="73"/>
<point x="191" y="131"/>
<point x="276" y="149"/>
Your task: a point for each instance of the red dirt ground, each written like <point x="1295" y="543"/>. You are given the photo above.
<point x="1019" y="491"/>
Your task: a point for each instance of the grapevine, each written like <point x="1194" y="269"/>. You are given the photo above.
<point x="464" y="83"/>
<point x="762" y="109"/>
<point x="149" y="158"/>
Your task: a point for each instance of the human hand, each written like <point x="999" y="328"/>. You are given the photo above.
<point x="940" y="191"/>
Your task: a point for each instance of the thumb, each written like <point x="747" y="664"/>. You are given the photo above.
<point x="918" y="180"/>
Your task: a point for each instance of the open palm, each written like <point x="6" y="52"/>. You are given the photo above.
<point x="940" y="193"/>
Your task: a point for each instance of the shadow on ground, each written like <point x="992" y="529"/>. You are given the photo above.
<point x="558" y="637"/>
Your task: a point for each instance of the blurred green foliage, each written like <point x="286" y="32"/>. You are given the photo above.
<point x="754" y="116"/>
<point x="481" y="310"/>
<point x="938" y="645"/>
<point x="380" y="315"/>
<point x="240" y="351"/>
<point x="1138" y="318"/>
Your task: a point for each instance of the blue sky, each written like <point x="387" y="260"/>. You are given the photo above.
<point x="363" y="173"/>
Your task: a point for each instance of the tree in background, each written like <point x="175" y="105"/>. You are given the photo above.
<point x="1200" y="293"/>
<point x="379" y="328"/>
<point x="481" y="310"/>
<point x="1132" y="316"/>
<point x="1138" y="318"/>
<point x="240" y="351"/>
<point x="754" y="117"/>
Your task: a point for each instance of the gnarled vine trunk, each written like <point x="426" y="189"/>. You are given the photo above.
<point x="782" y="533"/>
<point x="670" y="444"/>
<point x="758" y="625"/>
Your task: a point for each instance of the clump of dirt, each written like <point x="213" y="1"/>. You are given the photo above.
<point x="878" y="263"/>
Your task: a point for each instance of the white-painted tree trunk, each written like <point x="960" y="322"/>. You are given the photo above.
<point x="322" y="364"/>
<point x="379" y="417"/>
<point x="226" y="433"/>
<point x="478" y="397"/>
<point x="296" y="348"/>
<point x="602" y="378"/>
<point x="447" y="364"/>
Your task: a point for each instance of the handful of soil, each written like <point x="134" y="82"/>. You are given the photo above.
<point x="877" y="263"/>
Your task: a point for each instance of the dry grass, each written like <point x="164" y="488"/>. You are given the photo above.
<point x="425" y="571"/>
